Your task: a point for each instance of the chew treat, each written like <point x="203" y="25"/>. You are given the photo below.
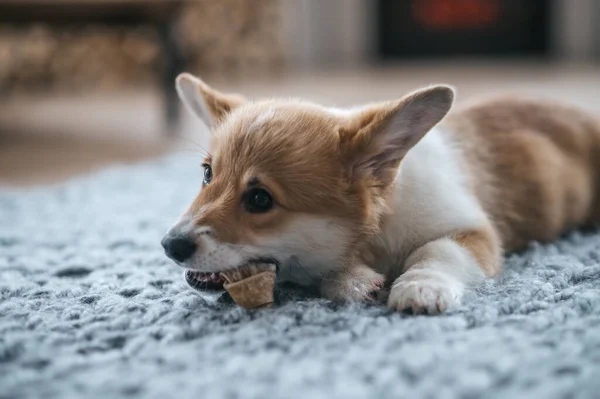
<point x="251" y="286"/>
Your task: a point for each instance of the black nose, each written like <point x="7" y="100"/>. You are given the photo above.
<point x="178" y="248"/>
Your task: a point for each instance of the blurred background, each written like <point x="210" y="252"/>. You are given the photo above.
<point x="88" y="83"/>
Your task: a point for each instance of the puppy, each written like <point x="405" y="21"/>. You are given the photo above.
<point x="397" y="201"/>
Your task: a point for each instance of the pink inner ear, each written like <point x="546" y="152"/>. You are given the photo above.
<point x="389" y="155"/>
<point x="387" y="133"/>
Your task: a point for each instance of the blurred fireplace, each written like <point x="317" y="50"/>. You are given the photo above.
<point x="463" y="28"/>
<point x="356" y="31"/>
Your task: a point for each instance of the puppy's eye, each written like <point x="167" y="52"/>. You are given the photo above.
<point x="207" y="174"/>
<point x="258" y="200"/>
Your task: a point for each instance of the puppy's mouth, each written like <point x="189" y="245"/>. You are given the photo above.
<point x="204" y="280"/>
<point x="213" y="280"/>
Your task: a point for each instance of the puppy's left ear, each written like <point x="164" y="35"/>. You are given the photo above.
<point x="376" y="139"/>
<point x="210" y="105"/>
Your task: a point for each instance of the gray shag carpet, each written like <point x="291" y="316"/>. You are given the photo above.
<point x="90" y="308"/>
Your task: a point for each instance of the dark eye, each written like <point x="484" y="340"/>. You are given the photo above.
<point x="258" y="200"/>
<point x="207" y="174"/>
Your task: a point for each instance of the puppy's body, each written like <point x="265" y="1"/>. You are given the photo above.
<point x="377" y="200"/>
<point x="495" y="175"/>
<point x="534" y="166"/>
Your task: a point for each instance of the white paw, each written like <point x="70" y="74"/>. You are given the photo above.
<point x="360" y="284"/>
<point x="425" y="291"/>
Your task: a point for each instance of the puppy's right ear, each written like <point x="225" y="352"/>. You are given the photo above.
<point x="200" y="99"/>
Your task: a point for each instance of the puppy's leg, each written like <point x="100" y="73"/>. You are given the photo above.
<point x="436" y="274"/>
<point x="355" y="283"/>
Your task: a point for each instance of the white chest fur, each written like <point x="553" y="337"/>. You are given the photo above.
<point x="431" y="200"/>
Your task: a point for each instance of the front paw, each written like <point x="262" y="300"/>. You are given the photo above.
<point x="425" y="291"/>
<point x="360" y="284"/>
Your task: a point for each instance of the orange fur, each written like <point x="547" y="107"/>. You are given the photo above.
<point x="484" y="246"/>
<point x="293" y="157"/>
<point x="534" y="166"/>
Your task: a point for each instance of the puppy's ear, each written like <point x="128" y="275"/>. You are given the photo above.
<point x="376" y="139"/>
<point x="203" y="101"/>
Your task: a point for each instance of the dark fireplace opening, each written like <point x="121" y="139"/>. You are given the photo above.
<point x="436" y="28"/>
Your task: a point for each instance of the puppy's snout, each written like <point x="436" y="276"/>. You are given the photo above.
<point x="179" y="248"/>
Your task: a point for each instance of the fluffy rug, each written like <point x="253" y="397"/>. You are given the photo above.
<point x="90" y="307"/>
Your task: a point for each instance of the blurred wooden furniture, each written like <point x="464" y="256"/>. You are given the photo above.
<point x="159" y="14"/>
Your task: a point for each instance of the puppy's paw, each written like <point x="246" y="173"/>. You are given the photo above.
<point x="360" y="284"/>
<point x="425" y="291"/>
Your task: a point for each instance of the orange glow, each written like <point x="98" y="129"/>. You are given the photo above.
<point x="456" y="14"/>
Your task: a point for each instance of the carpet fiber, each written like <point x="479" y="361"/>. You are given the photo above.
<point x="90" y="307"/>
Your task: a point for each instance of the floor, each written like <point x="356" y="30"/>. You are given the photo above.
<point x="50" y="138"/>
<point x="103" y="310"/>
<point x="90" y="307"/>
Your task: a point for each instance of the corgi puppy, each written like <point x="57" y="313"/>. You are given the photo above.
<point x="398" y="201"/>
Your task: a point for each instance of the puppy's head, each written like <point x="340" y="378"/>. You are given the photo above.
<point x="293" y="182"/>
